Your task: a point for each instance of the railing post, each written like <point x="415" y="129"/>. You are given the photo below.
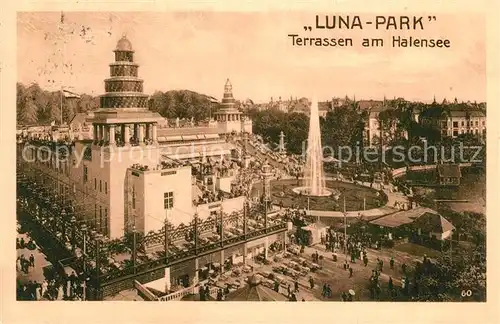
<point x="195" y="233"/>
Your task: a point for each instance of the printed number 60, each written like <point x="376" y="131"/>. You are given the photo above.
<point x="466" y="293"/>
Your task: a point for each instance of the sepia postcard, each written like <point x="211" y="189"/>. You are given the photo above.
<point x="333" y="153"/>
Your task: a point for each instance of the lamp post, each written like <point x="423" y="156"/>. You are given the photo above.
<point x="345" y="229"/>
<point x="134" y="248"/>
<point x="73" y="232"/>
<point x="98" y="238"/>
<point x="84" y="256"/>
<point x="165" y="240"/>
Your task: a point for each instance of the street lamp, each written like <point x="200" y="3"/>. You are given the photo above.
<point x="84" y="255"/>
<point x="73" y="229"/>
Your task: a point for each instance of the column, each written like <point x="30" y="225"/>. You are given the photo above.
<point x="148" y="131"/>
<point x="155" y="133"/>
<point x="96" y="134"/>
<point x="111" y="134"/>
<point x="167" y="279"/>
<point x="245" y="253"/>
<point x="222" y="260"/>
<point x="106" y="132"/>
<point x="141" y="133"/>
<point x="196" y="279"/>
<point x="136" y="131"/>
<point x="126" y="133"/>
<point x="266" y="246"/>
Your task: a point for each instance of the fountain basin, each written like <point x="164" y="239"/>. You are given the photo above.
<point x="325" y="192"/>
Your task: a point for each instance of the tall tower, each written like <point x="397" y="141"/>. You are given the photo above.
<point x="125" y="133"/>
<point x="228" y="117"/>
<point x="124" y="106"/>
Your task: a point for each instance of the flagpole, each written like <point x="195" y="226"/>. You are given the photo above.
<point x="345" y="230"/>
<point x="61" y="29"/>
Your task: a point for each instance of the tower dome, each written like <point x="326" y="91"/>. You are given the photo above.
<point x="124" y="45"/>
<point x="124" y="89"/>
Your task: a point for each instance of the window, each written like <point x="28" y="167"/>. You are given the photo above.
<point x="168" y="200"/>
<point x="100" y="185"/>
<point x="455" y="124"/>
<point x="100" y="219"/>
<point x="95" y="215"/>
<point x="484" y="123"/>
<point x="455" y="133"/>
<point x="133" y="197"/>
<point x="463" y="123"/>
<point x="85" y="174"/>
<point x="105" y="187"/>
<point x="477" y="123"/>
<point x="95" y="184"/>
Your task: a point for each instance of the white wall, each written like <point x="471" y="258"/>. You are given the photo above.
<point x="224" y="184"/>
<point x="228" y="205"/>
<point x="155" y="185"/>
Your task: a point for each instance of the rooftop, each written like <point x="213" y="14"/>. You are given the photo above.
<point x="124" y="45"/>
<point x="433" y="223"/>
<point x="402" y="217"/>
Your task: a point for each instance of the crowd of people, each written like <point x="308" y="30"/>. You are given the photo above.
<point x="54" y="288"/>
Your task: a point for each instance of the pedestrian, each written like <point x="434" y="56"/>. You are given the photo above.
<point x="276" y="286"/>
<point x="32" y="260"/>
<point x="365" y="260"/>
<point x="311" y="282"/>
<point x="328" y="291"/>
<point x="219" y="295"/>
<point x="403" y="267"/>
<point x="296" y="286"/>
<point x="391" y="263"/>
<point x="324" y="291"/>
<point x="289" y="290"/>
<point x="350" y="272"/>
<point x="391" y="285"/>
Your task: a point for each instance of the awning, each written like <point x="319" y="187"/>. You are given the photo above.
<point x="189" y="137"/>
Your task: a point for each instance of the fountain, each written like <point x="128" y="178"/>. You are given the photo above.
<point x="313" y="171"/>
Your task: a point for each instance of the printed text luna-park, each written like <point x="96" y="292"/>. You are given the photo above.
<point x="390" y="23"/>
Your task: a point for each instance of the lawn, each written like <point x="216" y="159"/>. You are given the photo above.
<point x="417" y="250"/>
<point x="282" y="192"/>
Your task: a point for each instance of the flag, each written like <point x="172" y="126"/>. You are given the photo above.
<point x="69" y="94"/>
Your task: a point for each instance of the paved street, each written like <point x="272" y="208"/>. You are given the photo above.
<point x="333" y="273"/>
<point x="35" y="273"/>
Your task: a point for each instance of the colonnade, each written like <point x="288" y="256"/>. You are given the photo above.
<point x="136" y="133"/>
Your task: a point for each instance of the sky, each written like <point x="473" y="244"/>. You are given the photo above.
<point x="200" y="50"/>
